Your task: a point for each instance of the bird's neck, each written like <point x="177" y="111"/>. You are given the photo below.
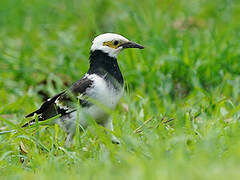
<point x="105" y="66"/>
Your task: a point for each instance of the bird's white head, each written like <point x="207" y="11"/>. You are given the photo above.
<point x="112" y="44"/>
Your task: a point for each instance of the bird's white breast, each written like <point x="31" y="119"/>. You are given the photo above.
<point x="105" y="95"/>
<point x="102" y="92"/>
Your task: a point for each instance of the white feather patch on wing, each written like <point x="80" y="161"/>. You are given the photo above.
<point x="62" y="106"/>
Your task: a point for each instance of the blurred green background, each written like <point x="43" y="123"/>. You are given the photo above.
<point x="179" y="117"/>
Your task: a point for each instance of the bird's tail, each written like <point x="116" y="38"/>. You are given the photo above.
<point x="30" y="123"/>
<point x="42" y="121"/>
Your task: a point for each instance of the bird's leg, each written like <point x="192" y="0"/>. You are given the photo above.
<point x="69" y="139"/>
<point x="109" y="125"/>
<point x="114" y="138"/>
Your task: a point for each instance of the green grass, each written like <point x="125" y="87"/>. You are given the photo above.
<point x="188" y="73"/>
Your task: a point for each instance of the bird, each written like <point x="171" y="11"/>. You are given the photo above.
<point x="103" y="83"/>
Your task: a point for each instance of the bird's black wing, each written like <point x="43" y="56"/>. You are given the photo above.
<point x="64" y="102"/>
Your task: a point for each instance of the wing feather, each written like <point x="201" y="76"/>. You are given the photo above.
<point x="64" y="102"/>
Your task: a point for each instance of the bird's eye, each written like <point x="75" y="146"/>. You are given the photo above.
<point x="115" y="43"/>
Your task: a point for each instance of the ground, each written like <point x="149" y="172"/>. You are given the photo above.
<point x="179" y="116"/>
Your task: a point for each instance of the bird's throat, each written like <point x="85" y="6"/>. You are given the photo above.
<point x="104" y="65"/>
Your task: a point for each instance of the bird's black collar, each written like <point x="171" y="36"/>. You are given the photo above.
<point x="105" y="66"/>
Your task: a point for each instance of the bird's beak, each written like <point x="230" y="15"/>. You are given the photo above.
<point x="130" y="44"/>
